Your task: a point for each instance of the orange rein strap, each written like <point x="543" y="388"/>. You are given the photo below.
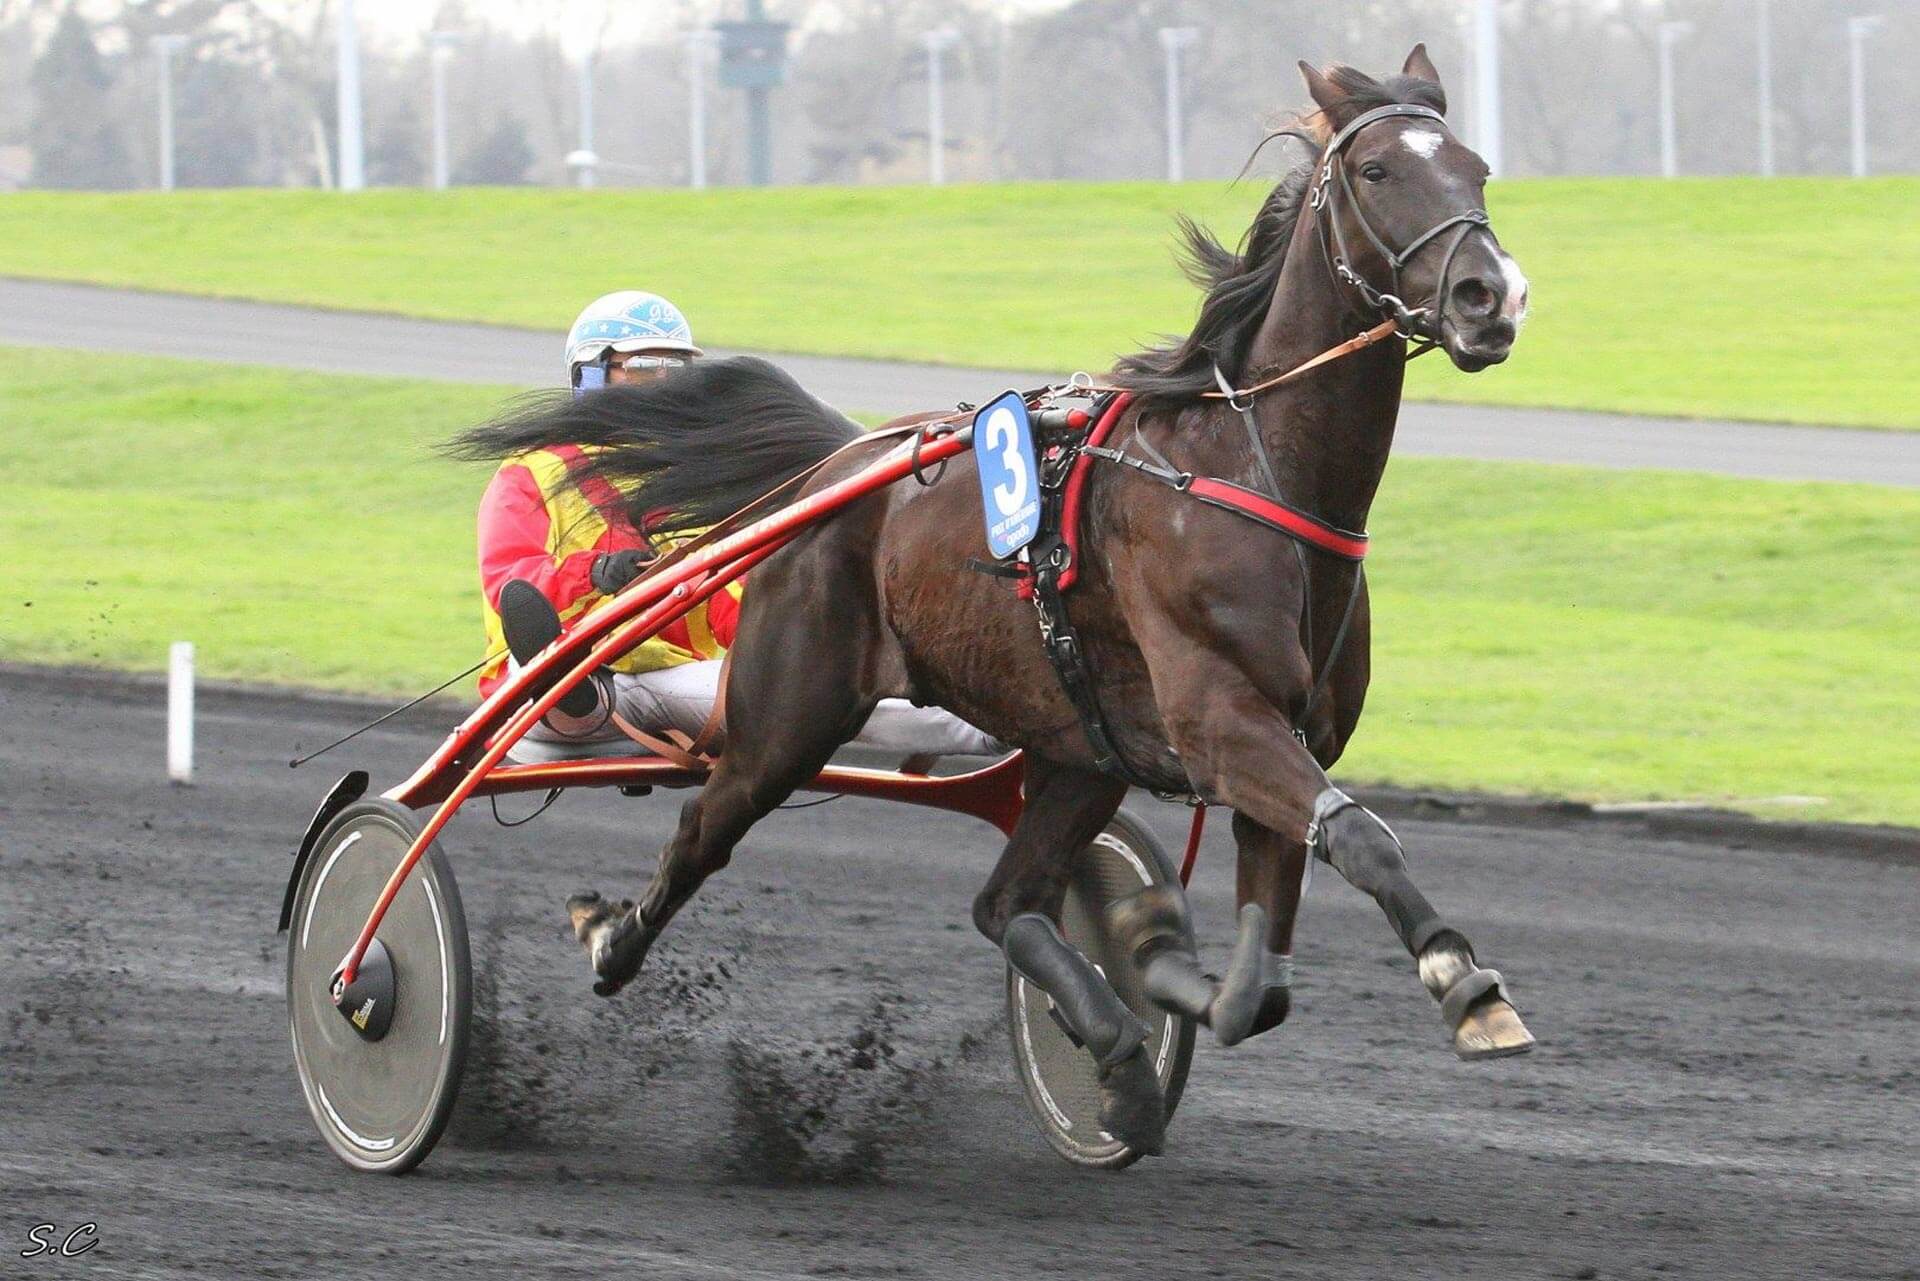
<point x="1358" y="342"/>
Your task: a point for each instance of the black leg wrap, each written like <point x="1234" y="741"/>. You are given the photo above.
<point x="1362" y="848"/>
<point x="1084" y="999"/>
<point x="1154" y="928"/>
<point x="1258" y="990"/>
<point x="1410" y="913"/>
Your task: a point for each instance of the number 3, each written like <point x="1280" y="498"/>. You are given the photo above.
<point x="1002" y="436"/>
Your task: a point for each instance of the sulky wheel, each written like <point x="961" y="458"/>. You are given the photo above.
<point x="1061" y="1080"/>
<point x="380" y="1070"/>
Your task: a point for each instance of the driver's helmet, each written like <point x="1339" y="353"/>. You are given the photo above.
<point x="627" y="321"/>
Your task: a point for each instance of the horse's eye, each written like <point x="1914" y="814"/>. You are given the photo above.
<point x="1373" y="173"/>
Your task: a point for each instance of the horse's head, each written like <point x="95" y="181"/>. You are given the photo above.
<point x="1399" y="205"/>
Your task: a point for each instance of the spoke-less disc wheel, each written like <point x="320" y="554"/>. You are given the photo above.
<point x="380" y="1103"/>
<point x="1062" y="1083"/>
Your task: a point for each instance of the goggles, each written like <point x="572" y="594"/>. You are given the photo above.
<point x="633" y="363"/>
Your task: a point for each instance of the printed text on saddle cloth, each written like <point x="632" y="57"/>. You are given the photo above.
<point x="1009" y="477"/>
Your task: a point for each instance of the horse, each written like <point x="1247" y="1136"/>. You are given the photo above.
<point x="1230" y="658"/>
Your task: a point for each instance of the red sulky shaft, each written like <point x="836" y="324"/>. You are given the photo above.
<point x="617" y="628"/>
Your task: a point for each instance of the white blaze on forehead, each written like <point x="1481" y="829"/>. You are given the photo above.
<point x="1421" y="142"/>
<point x="1514" y="308"/>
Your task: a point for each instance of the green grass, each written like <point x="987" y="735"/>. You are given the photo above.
<point x="1603" y="635"/>
<point x="1779" y="300"/>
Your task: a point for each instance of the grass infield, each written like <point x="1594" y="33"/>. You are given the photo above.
<point x="1725" y="297"/>
<point x="1552" y="630"/>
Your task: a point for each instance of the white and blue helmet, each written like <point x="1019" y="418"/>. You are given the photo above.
<point x="627" y="321"/>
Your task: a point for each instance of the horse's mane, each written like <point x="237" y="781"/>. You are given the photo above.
<point x="1240" y="283"/>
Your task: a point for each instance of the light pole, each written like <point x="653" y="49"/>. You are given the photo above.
<point x="1173" y="40"/>
<point x="701" y="45"/>
<point x="1002" y="73"/>
<point x="1486" y="83"/>
<point x="1763" y="39"/>
<point x="440" y="46"/>
<point x="1670" y="33"/>
<point x="353" y="175"/>
<point x="585" y="171"/>
<point x="1858" y="29"/>
<point x="937" y="42"/>
<point x="164" y="47"/>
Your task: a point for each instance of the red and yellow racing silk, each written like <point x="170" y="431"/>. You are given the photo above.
<point x="536" y="523"/>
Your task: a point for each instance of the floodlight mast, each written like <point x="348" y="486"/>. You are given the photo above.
<point x="1670" y="34"/>
<point x="353" y="174"/>
<point x="1486" y="85"/>
<point x="1173" y="40"/>
<point x="440" y="47"/>
<point x="937" y="42"/>
<point x="164" y="47"/>
<point x="1763" y="44"/>
<point x="1858" y="29"/>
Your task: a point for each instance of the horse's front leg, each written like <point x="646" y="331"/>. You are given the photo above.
<point x="1019" y="910"/>
<point x="1240" y="751"/>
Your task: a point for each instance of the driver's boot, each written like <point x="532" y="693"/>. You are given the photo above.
<point x="531" y="623"/>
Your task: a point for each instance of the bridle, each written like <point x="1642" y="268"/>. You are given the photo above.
<point x="1420" y="325"/>
<point x="1050" y="572"/>
<point x="1417" y="323"/>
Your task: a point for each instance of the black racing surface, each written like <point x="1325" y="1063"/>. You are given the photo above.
<point x="812" y="1077"/>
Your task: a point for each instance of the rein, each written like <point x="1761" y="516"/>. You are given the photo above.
<point x="1056" y="572"/>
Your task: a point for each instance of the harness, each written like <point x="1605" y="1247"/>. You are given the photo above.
<point x="1073" y="441"/>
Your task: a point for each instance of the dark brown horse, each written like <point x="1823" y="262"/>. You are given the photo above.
<point x="1208" y="634"/>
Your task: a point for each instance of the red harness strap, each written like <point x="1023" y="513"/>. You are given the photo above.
<point x="1252" y="504"/>
<point x="1304" y="526"/>
<point x="1075" y="497"/>
<point x="1193" y="843"/>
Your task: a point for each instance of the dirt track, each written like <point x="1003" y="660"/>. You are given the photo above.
<point x="1727" y="1083"/>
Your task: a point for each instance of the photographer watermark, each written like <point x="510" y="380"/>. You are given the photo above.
<point x="47" y="1240"/>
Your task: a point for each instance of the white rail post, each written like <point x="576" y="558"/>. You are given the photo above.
<point x="180" y="713"/>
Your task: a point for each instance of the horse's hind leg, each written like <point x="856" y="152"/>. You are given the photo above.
<point x="618" y="937"/>
<point x="794" y="697"/>
<point x="1019" y="910"/>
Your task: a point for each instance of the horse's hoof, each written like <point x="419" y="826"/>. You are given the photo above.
<point x="1491" y="1030"/>
<point x="1132" y="1108"/>
<point x="1485" y="1024"/>
<point x="615" y="940"/>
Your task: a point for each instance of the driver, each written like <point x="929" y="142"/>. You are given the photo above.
<point x="549" y="553"/>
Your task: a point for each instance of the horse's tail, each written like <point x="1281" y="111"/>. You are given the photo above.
<point x="683" y="451"/>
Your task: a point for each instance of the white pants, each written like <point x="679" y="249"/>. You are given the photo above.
<point x="682" y="698"/>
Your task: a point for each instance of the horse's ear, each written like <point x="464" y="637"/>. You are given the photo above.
<point x="1420" y="66"/>
<point x="1324" y="92"/>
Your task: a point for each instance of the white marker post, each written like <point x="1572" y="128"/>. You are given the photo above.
<point x="180" y="713"/>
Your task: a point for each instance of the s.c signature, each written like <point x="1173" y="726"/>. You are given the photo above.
<point x="47" y="1241"/>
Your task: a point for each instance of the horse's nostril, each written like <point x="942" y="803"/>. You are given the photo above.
<point x="1475" y="297"/>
